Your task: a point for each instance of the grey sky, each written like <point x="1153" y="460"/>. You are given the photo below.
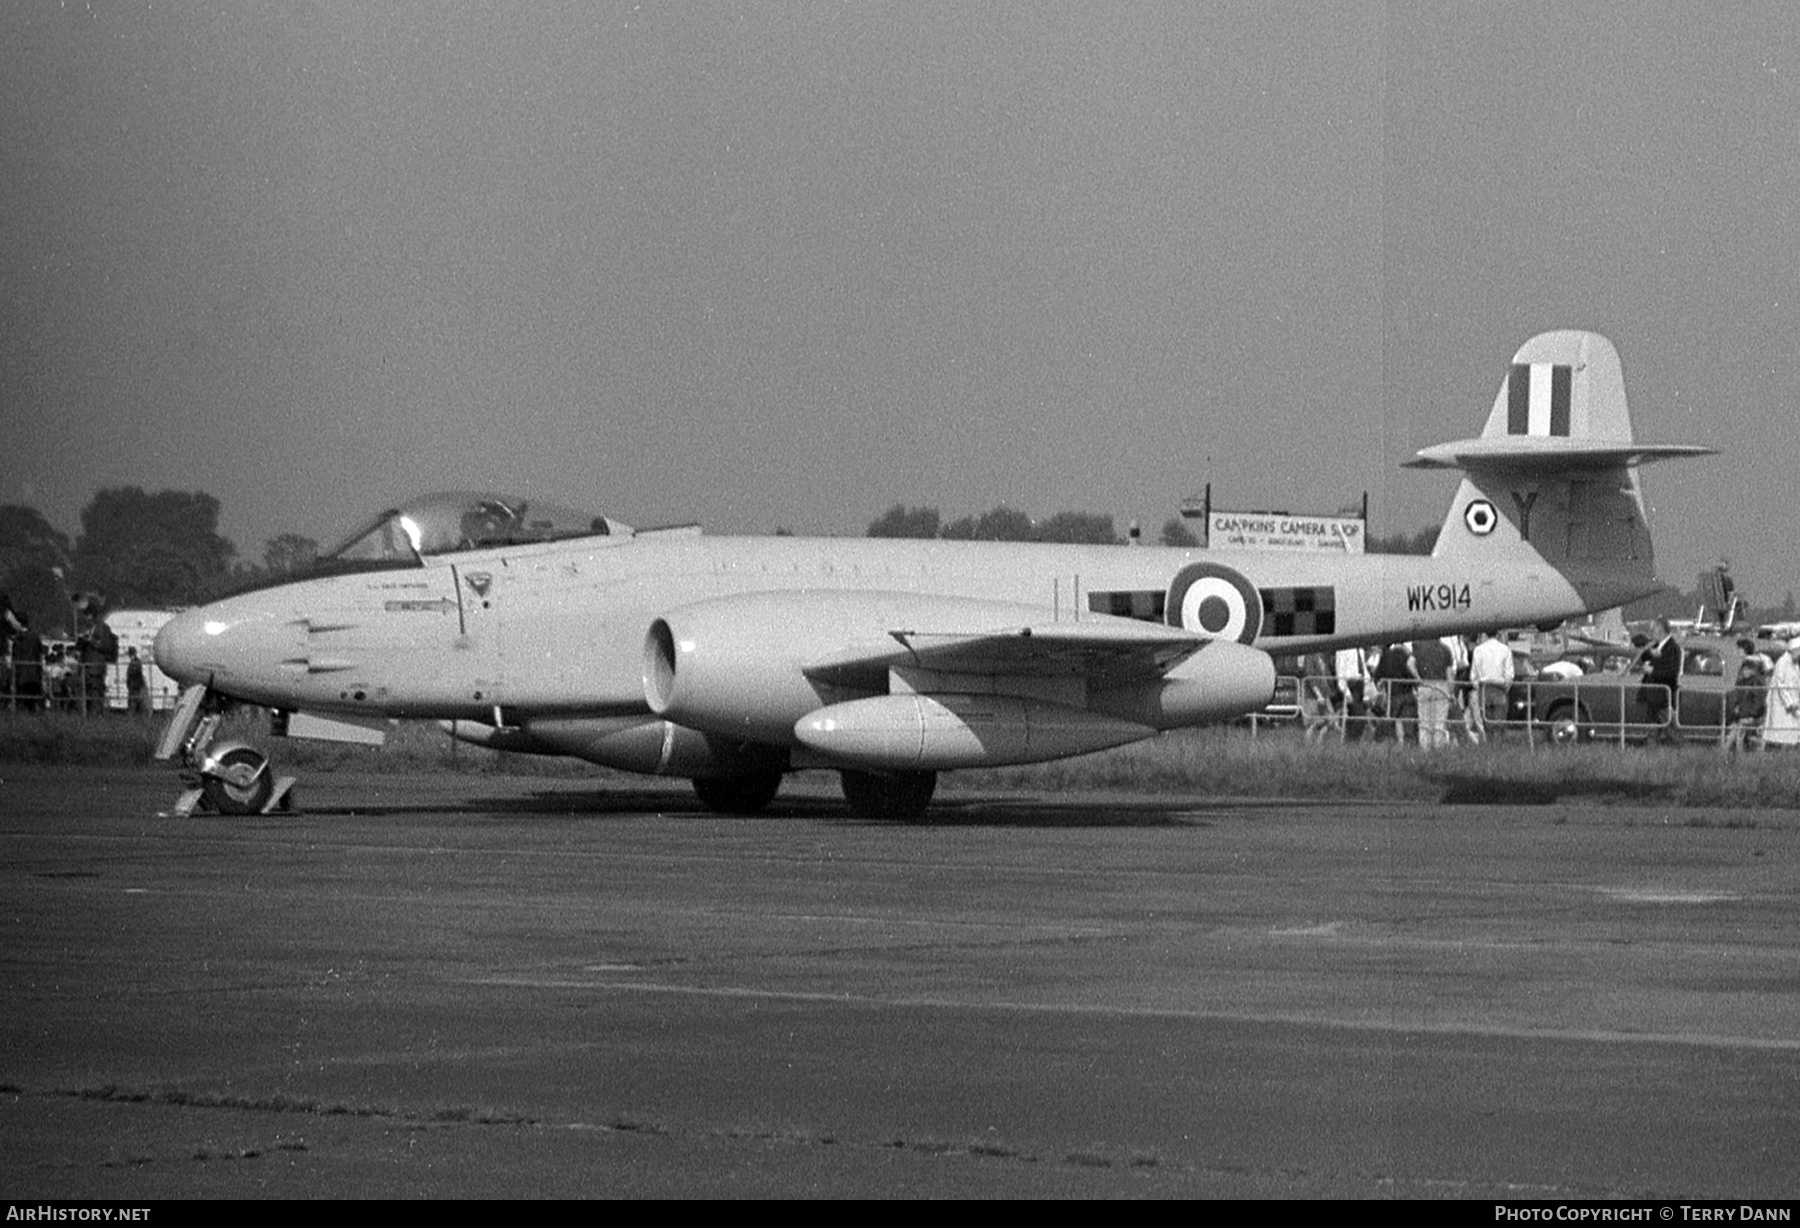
<point x="786" y="264"/>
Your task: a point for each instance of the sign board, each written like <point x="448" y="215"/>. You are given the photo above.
<point x="1280" y="531"/>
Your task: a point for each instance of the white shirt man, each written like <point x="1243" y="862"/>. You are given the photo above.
<point x="1491" y="672"/>
<point x="1492" y="661"/>
<point x="1781" y="720"/>
<point x="1352" y="680"/>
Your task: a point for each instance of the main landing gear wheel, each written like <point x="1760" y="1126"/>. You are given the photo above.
<point x="889" y="795"/>
<point x="737" y="794"/>
<point x="239" y="783"/>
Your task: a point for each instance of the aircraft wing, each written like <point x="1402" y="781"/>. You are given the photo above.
<point x="980" y="681"/>
<point x="1107" y="653"/>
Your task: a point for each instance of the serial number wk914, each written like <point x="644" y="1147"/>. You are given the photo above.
<point x="1438" y="597"/>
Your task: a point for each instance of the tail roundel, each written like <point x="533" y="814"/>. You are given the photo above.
<point x="1552" y="479"/>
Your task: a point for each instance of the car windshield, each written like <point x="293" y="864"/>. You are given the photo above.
<point x="467" y="520"/>
<point x="1703" y="661"/>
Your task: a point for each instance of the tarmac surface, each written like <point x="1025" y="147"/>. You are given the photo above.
<point x="506" y="987"/>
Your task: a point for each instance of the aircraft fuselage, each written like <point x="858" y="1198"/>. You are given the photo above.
<point x="559" y="627"/>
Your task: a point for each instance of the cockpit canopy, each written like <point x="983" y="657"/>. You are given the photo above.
<point x="467" y="520"/>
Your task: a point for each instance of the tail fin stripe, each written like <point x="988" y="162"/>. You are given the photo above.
<point x="1518" y="400"/>
<point x="1538" y="398"/>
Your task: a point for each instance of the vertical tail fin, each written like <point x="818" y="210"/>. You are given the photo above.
<point x="1552" y="479"/>
<point x="1562" y="385"/>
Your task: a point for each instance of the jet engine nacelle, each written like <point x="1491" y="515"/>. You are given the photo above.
<point x="736" y="666"/>
<point x="733" y="667"/>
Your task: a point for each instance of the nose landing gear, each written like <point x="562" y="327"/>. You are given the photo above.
<point x="229" y="778"/>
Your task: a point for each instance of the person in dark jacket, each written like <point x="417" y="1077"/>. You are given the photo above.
<point x="1434" y="665"/>
<point x="1747" y="704"/>
<point x="1662" y="679"/>
<point x="99" y="649"/>
<point x="1394" y="682"/>
<point x="27" y="666"/>
<point x="137" y="694"/>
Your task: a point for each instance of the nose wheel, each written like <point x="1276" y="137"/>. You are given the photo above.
<point x="231" y="778"/>
<point x="238" y="782"/>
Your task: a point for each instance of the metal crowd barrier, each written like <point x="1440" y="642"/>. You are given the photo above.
<point x="75" y="687"/>
<point x="1316" y="703"/>
<point x="1597" y="705"/>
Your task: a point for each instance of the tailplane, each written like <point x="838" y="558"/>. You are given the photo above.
<point x="1552" y="479"/>
<point x="1560" y="407"/>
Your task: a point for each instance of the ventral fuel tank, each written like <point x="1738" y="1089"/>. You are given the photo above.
<point x="936" y="732"/>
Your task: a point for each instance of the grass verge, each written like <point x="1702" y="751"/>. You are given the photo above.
<point x="1230" y="763"/>
<point x="1221" y="762"/>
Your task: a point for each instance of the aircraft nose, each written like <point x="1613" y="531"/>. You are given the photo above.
<point x="242" y="646"/>
<point x="178" y="647"/>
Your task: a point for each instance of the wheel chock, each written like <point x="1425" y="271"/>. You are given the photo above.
<point x="184" y="806"/>
<point x="283" y="797"/>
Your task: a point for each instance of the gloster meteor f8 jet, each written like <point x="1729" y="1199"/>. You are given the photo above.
<point x="734" y="660"/>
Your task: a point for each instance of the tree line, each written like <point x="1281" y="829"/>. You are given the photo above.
<point x="999" y="524"/>
<point x="1007" y="524"/>
<point x="137" y="549"/>
<point x="134" y="549"/>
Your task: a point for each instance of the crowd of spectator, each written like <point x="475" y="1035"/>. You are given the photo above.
<point x="72" y="675"/>
<point x="1441" y="690"/>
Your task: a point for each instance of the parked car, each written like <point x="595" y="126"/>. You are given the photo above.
<point x="1610" y="706"/>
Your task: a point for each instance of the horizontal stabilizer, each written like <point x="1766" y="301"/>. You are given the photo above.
<point x="1561" y="409"/>
<point x="1530" y="455"/>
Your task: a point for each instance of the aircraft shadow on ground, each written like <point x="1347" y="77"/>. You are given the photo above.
<point x="1460" y="790"/>
<point x="982" y="810"/>
<point x="1002" y="810"/>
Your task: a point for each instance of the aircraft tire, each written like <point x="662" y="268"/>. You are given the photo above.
<point x="895" y="796"/>
<point x="242" y="783"/>
<point x="737" y="794"/>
